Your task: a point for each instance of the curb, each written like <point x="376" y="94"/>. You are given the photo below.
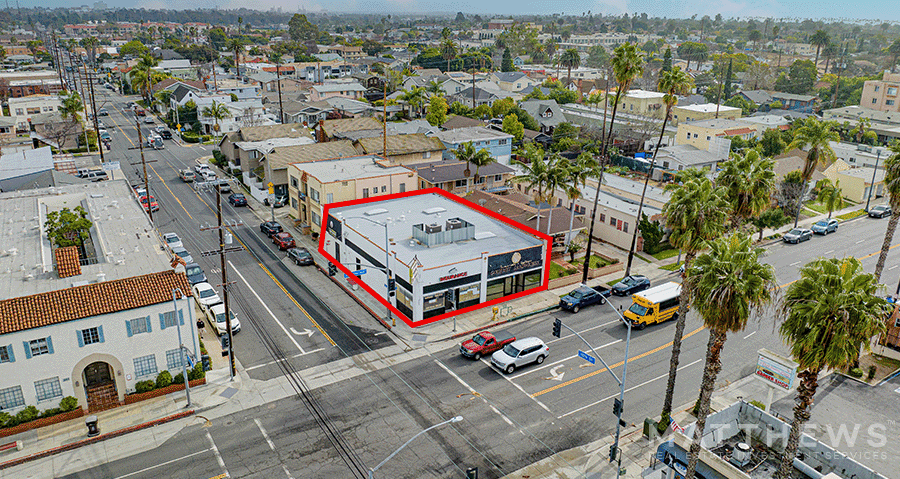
<point x="93" y="440"/>
<point x="505" y="321"/>
<point x="358" y="301"/>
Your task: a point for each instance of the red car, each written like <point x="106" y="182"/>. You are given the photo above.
<point x="283" y="241"/>
<point x="154" y="206"/>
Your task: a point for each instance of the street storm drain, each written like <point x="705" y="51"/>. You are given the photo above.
<point x="420" y="337"/>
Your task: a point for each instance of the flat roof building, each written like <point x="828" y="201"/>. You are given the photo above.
<point x="445" y="254"/>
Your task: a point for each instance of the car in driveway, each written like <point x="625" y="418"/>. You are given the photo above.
<point x="823" y="227"/>
<point x="797" y="235"/>
<point x="520" y="353"/>
<point x="216" y="316"/>
<point x="237" y="199"/>
<point x="172" y="241"/>
<point x="630" y="285"/>
<point x="205" y="295"/>
<point x="300" y="256"/>
<point x="183" y="254"/>
<point x="270" y="228"/>
<point x="194" y="273"/>
<point x="879" y="211"/>
<point x="283" y="241"/>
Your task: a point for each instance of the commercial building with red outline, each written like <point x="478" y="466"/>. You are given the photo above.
<point x="481" y="253"/>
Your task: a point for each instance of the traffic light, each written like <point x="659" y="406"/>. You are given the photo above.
<point x="612" y="453"/>
<point x="472" y="473"/>
<point x="225" y="341"/>
<point x="332" y="269"/>
<point x="617" y="407"/>
<point x="557" y="328"/>
<point x="392" y="285"/>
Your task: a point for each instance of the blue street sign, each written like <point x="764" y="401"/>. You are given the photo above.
<point x="357" y="273"/>
<point x="587" y="357"/>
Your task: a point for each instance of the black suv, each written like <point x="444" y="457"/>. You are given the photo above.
<point x="300" y="256"/>
<point x="166" y="134"/>
<point x="270" y="228"/>
<point x="237" y="199"/>
<point x="630" y="285"/>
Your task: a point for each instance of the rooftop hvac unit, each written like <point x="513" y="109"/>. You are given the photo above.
<point x="454" y="224"/>
<point x="433" y="228"/>
<point x="741" y="455"/>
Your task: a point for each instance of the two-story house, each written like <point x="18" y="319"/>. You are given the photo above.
<point x="450" y="175"/>
<point x="547" y="113"/>
<point x="512" y="81"/>
<point x="351" y="90"/>
<point x="275" y="165"/>
<point x="402" y="149"/>
<point x="22" y="109"/>
<point x="497" y="143"/>
<point x="245" y="148"/>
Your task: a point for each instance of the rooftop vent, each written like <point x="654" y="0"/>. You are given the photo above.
<point x="435" y="210"/>
<point x="375" y="212"/>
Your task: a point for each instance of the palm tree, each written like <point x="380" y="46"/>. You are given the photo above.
<point x="894" y="51"/>
<point x="584" y="167"/>
<point x="142" y="76"/>
<point x="558" y="174"/>
<point x="236" y="45"/>
<point x="71" y="106"/>
<point x="535" y="173"/>
<point x="448" y="50"/>
<point x="754" y="37"/>
<point x="830" y="195"/>
<point x="729" y="285"/>
<point x="481" y="158"/>
<point x="216" y="111"/>
<point x="892" y="185"/>
<point x="813" y="135"/>
<point x="832" y="310"/>
<point x="570" y="59"/>
<point x="415" y="98"/>
<point x="435" y="88"/>
<point x="819" y="39"/>
<point x="627" y="64"/>
<point x="749" y="181"/>
<point x="695" y="214"/>
<point x="672" y="82"/>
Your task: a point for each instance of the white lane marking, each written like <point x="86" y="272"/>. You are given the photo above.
<point x="163" y="464"/>
<point x="627" y="390"/>
<point x="514" y="376"/>
<point x="204" y="149"/>
<point x="795" y="263"/>
<point x="579" y="332"/>
<point x="264" y="434"/>
<point x="281" y="360"/>
<point x="892" y="267"/>
<point x="505" y="419"/>
<point x="828" y="252"/>
<point x="305" y="332"/>
<point x="504" y="376"/>
<point x="475" y="393"/>
<point x="860" y="241"/>
<point x="267" y="308"/>
<point x="751" y="334"/>
<point x="216" y="452"/>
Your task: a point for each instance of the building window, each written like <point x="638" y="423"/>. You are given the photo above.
<point x="137" y="326"/>
<point x="315" y="218"/>
<point x="365" y="192"/>
<point x="11" y="397"/>
<point x="503" y="141"/>
<point x="612" y="221"/>
<point x="423" y="185"/>
<point x="625" y="227"/>
<point x="329" y="198"/>
<point x="38" y="347"/>
<point x="314" y="194"/>
<point x="874" y="101"/>
<point x="294" y="182"/>
<point x="602" y="218"/>
<point x="688" y="135"/>
<point x="173" y="359"/>
<point x="383" y="188"/>
<point x="19" y="111"/>
<point x="498" y="178"/>
<point x="877" y="87"/>
<point x="6" y="354"/>
<point x="167" y="319"/>
<point x="402" y="187"/>
<point x="461" y="183"/>
<point x="426" y="154"/>
<point x="145" y="365"/>
<point x="294" y="203"/>
<point x="47" y="389"/>
<point x="90" y="336"/>
<point x="892" y="90"/>
<point x="889" y="102"/>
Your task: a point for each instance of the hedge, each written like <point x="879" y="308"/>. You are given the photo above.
<point x="30" y="413"/>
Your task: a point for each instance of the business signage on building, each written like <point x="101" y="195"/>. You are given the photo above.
<point x="775" y="369"/>
<point x="334" y="227"/>
<point x="514" y="262"/>
<point x="453" y="276"/>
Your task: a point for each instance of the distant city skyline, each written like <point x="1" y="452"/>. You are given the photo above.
<point x="829" y="10"/>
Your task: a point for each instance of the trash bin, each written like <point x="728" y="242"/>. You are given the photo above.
<point x="91" y="423"/>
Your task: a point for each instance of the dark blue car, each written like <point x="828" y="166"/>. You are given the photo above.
<point x="237" y="199"/>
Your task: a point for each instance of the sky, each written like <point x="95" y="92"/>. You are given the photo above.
<point x="875" y="10"/>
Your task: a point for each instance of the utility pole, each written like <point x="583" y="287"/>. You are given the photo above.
<point x="872" y="187"/>
<point x="94" y="109"/>
<point x="221" y="227"/>
<point x="278" y="76"/>
<point x="838" y="82"/>
<point x="80" y="86"/>
<point x="137" y="125"/>
<point x="384" y="119"/>
<point x="55" y="49"/>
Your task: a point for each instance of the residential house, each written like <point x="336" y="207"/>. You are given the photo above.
<point x="792" y="102"/>
<point x="858" y="183"/>
<point x="172" y="83"/>
<point x="512" y="81"/>
<point x="353" y="91"/>
<point x="521" y="60"/>
<point x="88" y="321"/>
<point x="704" y="111"/>
<point x="644" y="103"/>
<point x="457" y="121"/>
<point x="522" y="209"/>
<point x="23" y="108"/>
<point x="308" y="114"/>
<point x="326" y="130"/>
<point x="547" y="113"/>
<point x="882" y="94"/>
<point x="795" y="160"/>
<point x="450" y="175"/>
<point x="348" y="108"/>
<point x="184" y="93"/>
<point x="276" y="168"/>
<point x="240" y="114"/>
<point x="402" y="149"/>
<point x="7" y="129"/>
<point x="51" y="129"/>
<point x="317" y="183"/>
<point x="481" y="97"/>
<point x="703" y="133"/>
<point x="536" y="136"/>
<point x="244" y="148"/>
<point x="497" y="143"/>
<point x="347" y="52"/>
<point x="243" y="91"/>
<point x="885" y="124"/>
<point x="759" y="97"/>
<point x="675" y="158"/>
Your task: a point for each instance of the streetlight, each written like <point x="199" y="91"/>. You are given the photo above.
<point x="187" y="383"/>
<point x="387" y="259"/>
<point x="372" y="471"/>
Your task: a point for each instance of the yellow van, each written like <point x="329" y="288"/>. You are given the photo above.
<point x="654" y="305"/>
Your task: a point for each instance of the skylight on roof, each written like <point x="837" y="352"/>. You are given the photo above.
<point x="484" y="235"/>
<point x="375" y="212"/>
<point x="435" y="210"/>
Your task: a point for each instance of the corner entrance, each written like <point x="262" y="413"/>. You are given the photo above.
<point x="99" y="387"/>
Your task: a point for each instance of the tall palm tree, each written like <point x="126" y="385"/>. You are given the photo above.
<point x="570" y="59"/>
<point x="415" y="98"/>
<point x="216" y="111"/>
<point x="144" y="71"/>
<point x="820" y="38"/>
<point x="449" y="51"/>
<point x="236" y="45"/>
<point x="892" y="185"/>
<point x="749" y="181"/>
<point x="729" y="284"/>
<point x="894" y="52"/>
<point x="830" y="195"/>
<point x="434" y="88"/>
<point x="832" y="310"/>
<point x="481" y="158"/>
<point x="627" y="64"/>
<point x="584" y="167"/>
<point x="71" y="106"/>
<point x="558" y="174"/>
<point x="813" y="135"/>
<point x="534" y="173"/>
<point x="695" y="214"/>
<point x="672" y="82"/>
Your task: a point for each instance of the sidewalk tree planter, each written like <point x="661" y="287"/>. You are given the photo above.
<point x="138" y="397"/>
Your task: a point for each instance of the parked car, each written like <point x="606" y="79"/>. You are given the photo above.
<point x="96" y="175"/>
<point x="187" y="176"/>
<point x="300" y="256"/>
<point x="172" y="241"/>
<point x="208" y="175"/>
<point x="166" y="134"/>
<point x="104" y="135"/>
<point x="520" y="353"/>
<point x="224" y="184"/>
<point x="102" y="112"/>
<point x="183" y="254"/>
<point x="237" y="199"/>
<point x="485" y="343"/>
<point x="879" y="211"/>
<point x="216" y="316"/>
<point x="279" y="201"/>
<point x="583" y="296"/>
<point x="82" y="172"/>
<point x="630" y="285"/>
<point x="823" y="227"/>
<point x="149" y="120"/>
<point x="205" y="295"/>
<point x="283" y="241"/>
<point x="200" y="168"/>
<point x="270" y="227"/>
<point x="160" y="128"/>
<point x="152" y="205"/>
<point x="797" y="235"/>
<point x="194" y="273"/>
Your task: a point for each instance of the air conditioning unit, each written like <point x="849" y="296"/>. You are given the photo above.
<point x="433" y="228"/>
<point x="741" y="455"/>
<point x="454" y="224"/>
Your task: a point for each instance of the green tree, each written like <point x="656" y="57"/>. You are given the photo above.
<point x="437" y="111"/>
<point x="585" y="166"/>
<point x="434" y="88"/>
<point x="729" y="284"/>
<point x="133" y="48"/>
<point x="563" y="131"/>
<point x="892" y="185"/>
<point x="771" y="143"/>
<point x="749" y="182"/>
<point x="506" y="64"/>
<point x="814" y="136"/>
<point x="726" y="89"/>
<point x="302" y="30"/>
<point x="216" y="111"/>
<point x="800" y="79"/>
<point x="738" y="101"/>
<point x="598" y="57"/>
<point x="695" y="214"/>
<point x="820" y="38"/>
<point x="236" y="45"/>
<point x="830" y="195"/>
<point x="527" y="120"/>
<point x="67" y="227"/>
<point x="652" y="233"/>
<point x="71" y="106"/>
<point x="771" y="218"/>
<point x="667" y="60"/>
<point x="482" y="111"/>
<point x="502" y="106"/>
<point x="449" y="51"/>
<point x="415" y="98"/>
<point x="570" y="59"/>
<point x="535" y="173"/>
<point x="894" y="52"/>
<point x="513" y="126"/>
<point x="828" y="314"/>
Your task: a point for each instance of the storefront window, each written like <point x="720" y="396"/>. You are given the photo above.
<point x="495" y="289"/>
<point x="532" y="280"/>
<point x="469" y="293"/>
<point x="433" y="302"/>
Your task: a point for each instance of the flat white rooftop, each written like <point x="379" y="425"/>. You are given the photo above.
<point x="354" y="168"/>
<point x="708" y="108"/>
<point x="644" y="94"/>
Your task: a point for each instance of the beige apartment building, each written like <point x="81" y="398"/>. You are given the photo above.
<point x="642" y="102"/>
<point x="704" y="111"/>
<point x="882" y="95"/>
<point x="700" y="134"/>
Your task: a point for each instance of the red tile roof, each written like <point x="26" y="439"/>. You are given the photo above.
<point x="44" y="309"/>
<point x="67" y="263"/>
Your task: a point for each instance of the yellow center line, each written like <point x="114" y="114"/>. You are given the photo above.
<point x="643" y="355"/>
<point x="171" y="192"/>
<point x="877" y="252"/>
